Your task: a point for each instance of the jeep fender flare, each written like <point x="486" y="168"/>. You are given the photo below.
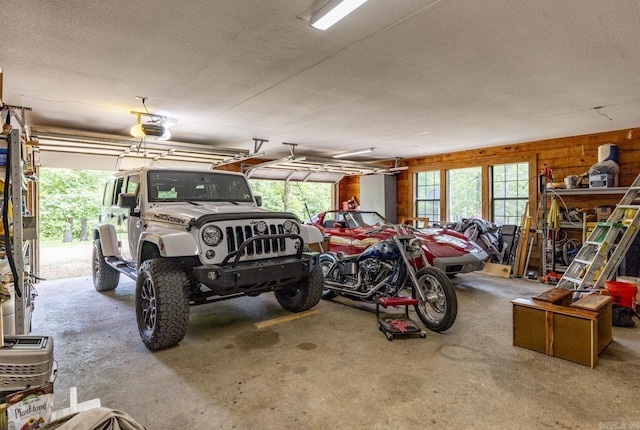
<point x="174" y="244"/>
<point x="108" y="239"/>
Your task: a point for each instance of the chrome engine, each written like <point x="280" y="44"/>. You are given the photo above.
<point x="371" y="272"/>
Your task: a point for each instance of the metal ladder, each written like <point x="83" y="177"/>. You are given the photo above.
<point x="596" y="263"/>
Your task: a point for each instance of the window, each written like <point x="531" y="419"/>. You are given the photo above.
<point x="169" y="185"/>
<point x="510" y="192"/>
<point x="464" y="191"/>
<point x="107" y="200"/>
<point x="133" y="183"/>
<point x="428" y="195"/>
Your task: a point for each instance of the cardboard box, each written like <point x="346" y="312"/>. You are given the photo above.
<point x="603" y="213"/>
<point x="321" y="247"/>
<point x="601" y="180"/>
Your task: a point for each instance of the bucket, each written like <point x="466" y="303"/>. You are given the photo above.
<point x="623" y="293"/>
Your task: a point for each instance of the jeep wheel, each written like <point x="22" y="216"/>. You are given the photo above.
<point x="105" y="277"/>
<point x="304" y="294"/>
<point x="162" y="303"/>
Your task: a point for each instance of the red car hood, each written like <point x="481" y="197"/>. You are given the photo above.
<point x="438" y="242"/>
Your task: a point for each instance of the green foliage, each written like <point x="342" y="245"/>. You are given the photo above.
<point x="73" y="194"/>
<point x="317" y="196"/>
<point x="67" y="194"/>
<point x="465" y="193"/>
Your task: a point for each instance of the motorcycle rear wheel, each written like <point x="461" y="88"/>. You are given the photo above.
<point x="440" y="309"/>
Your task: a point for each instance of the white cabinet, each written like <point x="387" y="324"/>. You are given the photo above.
<point x="379" y="193"/>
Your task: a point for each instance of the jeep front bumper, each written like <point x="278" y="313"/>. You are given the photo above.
<point x="254" y="277"/>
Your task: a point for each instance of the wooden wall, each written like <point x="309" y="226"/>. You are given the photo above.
<point x="565" y="156"/>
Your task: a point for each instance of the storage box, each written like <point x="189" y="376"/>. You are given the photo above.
<point x="25" y="361"/>
<point x="601" y="180"/>
<point x="602" y="305"/>
<point x="558" y="331"/>
<point x="603" y="213"/>
<point x="321" y="247"/>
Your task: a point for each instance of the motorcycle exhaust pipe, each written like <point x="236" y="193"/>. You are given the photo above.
<point x="335" y="286"/>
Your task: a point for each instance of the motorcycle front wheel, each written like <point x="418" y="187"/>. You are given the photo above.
<point x="326" y="262"/>
<point x="438" y="304"/>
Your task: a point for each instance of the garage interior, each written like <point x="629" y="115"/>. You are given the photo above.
<point x="390" y="94"/>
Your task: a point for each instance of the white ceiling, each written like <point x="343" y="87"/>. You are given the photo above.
<point x="406" y="77"/>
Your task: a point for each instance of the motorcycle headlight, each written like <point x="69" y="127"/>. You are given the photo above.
<point x="212" y="235"/>
<point x="291" y="227"/>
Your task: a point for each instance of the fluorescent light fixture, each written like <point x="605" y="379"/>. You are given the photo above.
<point x="356" y="152"/>
<point x="333" y="12"/>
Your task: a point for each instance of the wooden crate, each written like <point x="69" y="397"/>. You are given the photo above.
<point x="558" y="331"/>
<point x="602" y="305"/>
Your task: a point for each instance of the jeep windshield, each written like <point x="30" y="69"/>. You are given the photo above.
<point x="186" y="186"/>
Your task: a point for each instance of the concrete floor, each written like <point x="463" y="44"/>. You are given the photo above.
<point x="334" y="370"/>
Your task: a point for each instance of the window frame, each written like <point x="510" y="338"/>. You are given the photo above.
<point x="520" y="201"/>
<point x="447" y="164"/>
<point x="417" y="200"/>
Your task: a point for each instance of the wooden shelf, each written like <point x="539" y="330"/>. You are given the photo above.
<point x="587" y="191"/>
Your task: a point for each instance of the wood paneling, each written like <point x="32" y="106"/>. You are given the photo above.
<point x="565" y="156"/>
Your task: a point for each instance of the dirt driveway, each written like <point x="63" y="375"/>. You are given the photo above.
<point x="65" y="261"/>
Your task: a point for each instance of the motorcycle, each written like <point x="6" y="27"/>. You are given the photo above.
<point x="390" y="268"/>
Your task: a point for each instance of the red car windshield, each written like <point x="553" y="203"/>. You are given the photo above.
<point x="348" y="219"/>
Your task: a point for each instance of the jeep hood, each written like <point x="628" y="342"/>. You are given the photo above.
<point x="203" y="212"/>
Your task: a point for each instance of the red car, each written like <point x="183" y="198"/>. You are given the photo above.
<point x="351" y="233"/>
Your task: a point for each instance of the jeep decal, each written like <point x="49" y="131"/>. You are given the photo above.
<point x="169" y="218"/>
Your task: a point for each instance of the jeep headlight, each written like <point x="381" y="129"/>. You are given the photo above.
<point x="291" y="227"/>
<point x="211" y="235"/>
<point x="262" y="227"/>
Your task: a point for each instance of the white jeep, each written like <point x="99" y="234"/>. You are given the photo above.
<point x="190" y="237"/>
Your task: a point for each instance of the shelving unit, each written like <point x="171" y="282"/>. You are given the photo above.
<point x="548" y="243"/>
<point x="17" y="246"/>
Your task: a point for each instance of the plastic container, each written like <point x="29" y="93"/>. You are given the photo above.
<point x="623" y="293"/>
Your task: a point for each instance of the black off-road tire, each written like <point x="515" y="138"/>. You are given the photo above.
<point x="105" y="277"/>
<point x="440" y="313"/>
<point x="162" y="303"/>
<point x="302" y="295"/>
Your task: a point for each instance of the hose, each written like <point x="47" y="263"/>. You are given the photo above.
<point x="5" y="220"/>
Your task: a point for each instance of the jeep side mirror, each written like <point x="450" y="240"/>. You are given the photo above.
<point x="129" y="201"/>
<point x="258" y="200"/>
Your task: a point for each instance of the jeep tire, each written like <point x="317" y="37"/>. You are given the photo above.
<point x="105" y="277"/>
<point x="162" y="303"/>
<point x="303" y="295"/>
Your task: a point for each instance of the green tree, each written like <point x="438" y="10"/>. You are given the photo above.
<point x="69" y="194"/>
<point x="316" y="195"/>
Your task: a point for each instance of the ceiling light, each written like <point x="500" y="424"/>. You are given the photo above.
<point x="333" y="12"/>
<point x="356" y="152"/>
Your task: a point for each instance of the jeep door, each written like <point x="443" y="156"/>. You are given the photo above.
<point x="134" y="223"/>
<point x="116" y="216"/>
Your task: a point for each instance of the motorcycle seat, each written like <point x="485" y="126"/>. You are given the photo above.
<point x="346" y="257"/>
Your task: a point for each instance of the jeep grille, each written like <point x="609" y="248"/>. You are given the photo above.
<point x="238" y="234"/>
